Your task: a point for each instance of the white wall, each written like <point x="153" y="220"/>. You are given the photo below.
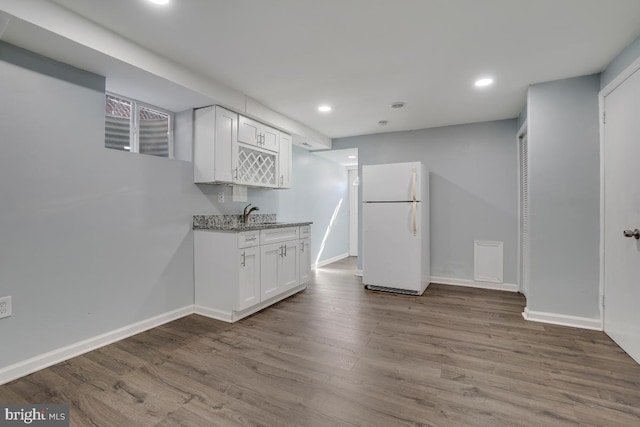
<point x="94" y="239"/>
<point x="474" y="187"/>
<point x="564" y="201"/>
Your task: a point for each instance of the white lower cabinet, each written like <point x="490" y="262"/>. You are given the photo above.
<point x="279" y="268"/>
<point x="249" y="278"/>
<point x="305" y="260"/>
<point x="236" y="275"/>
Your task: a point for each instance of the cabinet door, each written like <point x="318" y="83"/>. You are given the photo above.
<point x="288" y="274"/>
<point x="249" y="278"/>
<point x="305" y="261"/>
<point x="269" y="264"/>
<point x="270" y="138"/>
<point x="226" y="140"/>
<point x="284" y="161"/>
<point x="248" y="131"/>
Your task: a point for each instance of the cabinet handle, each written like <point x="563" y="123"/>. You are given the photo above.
<point x="281" y="179"/>
<point x="244" y="259"/>
<point x="285" y="249"/>
<point x="235" y="173"/>
<point x="301" y="246"/>
<point x="280" y="251"/>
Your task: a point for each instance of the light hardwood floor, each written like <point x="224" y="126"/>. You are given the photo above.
<point x="339" y="355"/>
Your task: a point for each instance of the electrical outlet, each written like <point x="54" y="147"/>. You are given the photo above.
<point x="221" y="197"/>
<point x="5" y="307"/>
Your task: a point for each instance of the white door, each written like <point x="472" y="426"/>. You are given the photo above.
<point x="622" y="212"/>
<point x="391" y="182"/>
<point x="391" y="253"/>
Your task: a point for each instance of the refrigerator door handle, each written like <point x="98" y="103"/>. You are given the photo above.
<point x="414" y="219"/>
<point x="414" y="184"/>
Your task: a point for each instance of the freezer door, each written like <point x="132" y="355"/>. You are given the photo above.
<point x="391" y="253"/>
<point x="395" y="182"/>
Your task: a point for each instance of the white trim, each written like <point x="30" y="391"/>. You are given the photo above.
<point x="604" y="92"/>
<point x="359" y="273"/>
<point x="329" y="260"/>
<point x="563" y="320"/>
<point x="522" y="132"/>
<point x="601" y="107"/>
<point x="225" y="316"/>
<point x="234" y="316"/>
<point x="509" y="287"/>
<point x="50" y="358"/>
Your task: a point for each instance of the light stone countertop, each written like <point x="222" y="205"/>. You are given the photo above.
<point x="234" y="223"/>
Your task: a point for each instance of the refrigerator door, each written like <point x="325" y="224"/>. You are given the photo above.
<point x="392" y="253"/>
<point x="395" y="182"/>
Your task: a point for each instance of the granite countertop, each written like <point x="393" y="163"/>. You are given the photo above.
<point x="234" y="222"/>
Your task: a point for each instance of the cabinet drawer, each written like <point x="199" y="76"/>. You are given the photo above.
<point x="246" y="239"/>
<point x="305" y="231"/>
<point x="275" y="235"/>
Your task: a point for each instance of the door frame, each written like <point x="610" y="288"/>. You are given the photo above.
<point x="604" y="92"/>
<point x="521" y="133"/>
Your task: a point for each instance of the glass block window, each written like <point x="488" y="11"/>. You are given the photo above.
<point x="136" y="127"/>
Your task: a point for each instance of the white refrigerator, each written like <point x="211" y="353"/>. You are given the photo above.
<point x="395" y="227"/>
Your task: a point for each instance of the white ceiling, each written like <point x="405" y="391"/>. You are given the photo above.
<point x="347" y="157"/>
<point x="361" y="55"/>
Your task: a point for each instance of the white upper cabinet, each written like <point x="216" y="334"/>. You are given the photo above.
<point x="215" y="135"/>
<point x="284" y="161"/>
<point x="230" y="148"/>
<point x="255" y="133"/>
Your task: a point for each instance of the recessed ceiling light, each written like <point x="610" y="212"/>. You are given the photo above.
<point x="484" y="82"/>
<point x="352" y="157"/>
<point x="398" y="104"/>
<point x="324" y="108"/>
<point x="160" y="1"/>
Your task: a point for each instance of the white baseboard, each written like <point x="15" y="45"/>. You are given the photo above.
<point x="563" y="320"/>
<point x="359" y="273"/>
<point x="213" y="313"/>
<point x="330" y="260"/>
<point x="509" y="287"/>
<point x="50" y="358"/>
<point x="234" y="316"/>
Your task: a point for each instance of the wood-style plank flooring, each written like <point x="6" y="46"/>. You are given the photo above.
<point x="338" y="355"/>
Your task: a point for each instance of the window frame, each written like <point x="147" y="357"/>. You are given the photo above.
<point x="134" y="127"/>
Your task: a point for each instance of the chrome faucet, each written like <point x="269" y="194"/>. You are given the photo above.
<point x="245" y="215"/>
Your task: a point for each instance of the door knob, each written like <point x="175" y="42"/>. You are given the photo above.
<point x="632" y="233"/>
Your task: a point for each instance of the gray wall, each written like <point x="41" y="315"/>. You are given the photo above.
<point x="564" y="182"/>
<point x="474" y="187"/>
<point x="93" y="239"/>
<point x="622" y="61"/>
